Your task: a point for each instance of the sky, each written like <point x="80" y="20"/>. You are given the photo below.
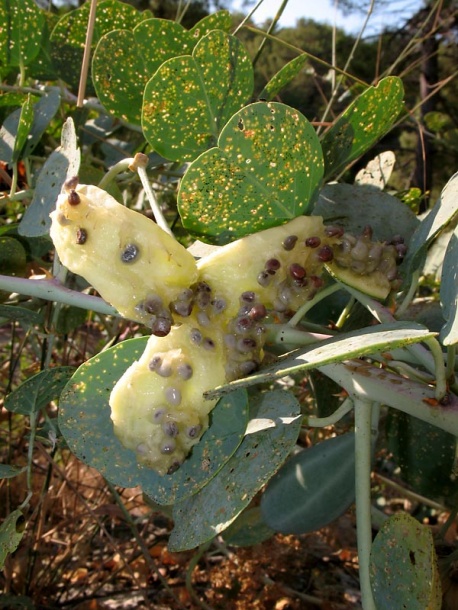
<point x="324" y="11"/>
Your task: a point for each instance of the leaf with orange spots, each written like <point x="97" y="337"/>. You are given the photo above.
<point x="190" y="98"/>
<point x="84" y="420"/>
<point x="404" y="572"/>
<point x="68" y="38"/>
<point x="125" y="60"/>
<point x="266" y="170"/>
<point x="362" y="124"/>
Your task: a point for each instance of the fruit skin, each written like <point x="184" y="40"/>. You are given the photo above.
<point x="219" y="306"/>
<point x="261" y="278"/>
<point x="130" y="261"/>
<point x="161" y="414"/>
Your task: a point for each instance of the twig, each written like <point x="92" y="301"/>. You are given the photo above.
<point x="87" y="54"/>
<point x="363" y="417"/>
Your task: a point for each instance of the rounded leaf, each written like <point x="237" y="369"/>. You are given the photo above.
<point x="84" y="420"/>
<point x="403" y="566"/>
<point x="312" y="488"/>
<point x="190" y="98"/>
<point x="266" y="170"/>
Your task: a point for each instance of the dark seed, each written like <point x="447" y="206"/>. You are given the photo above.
<point x="203" y="319"/>
<point x="168" y="447"/>
<point x="153" y="305"/>
<point x="161" y="327"/>
<point x="194" y="431"/>
<point x="247" y="297"/>
<point x="185" y="371"/>
<point x="196" y="336"/>
<point x="230" y="341"/>
<point x="297" y="271"/>
<point x="247" y="367"/>
<point x="334" y="231"/>
<point x="246" y="345"/>
<point x="81" y="236"/>
<point x="185" y="295"/>
<point x="397" y="239"/>
<point x="159" y="414"/>
<point x="208" y="343"/>
<point x="300" y="282"/>
<point x="401" y="249"/>
<point x="289" y="242"/>
<point x="244" y="310"/>
<point x="273" y="264"/>
<point x="170" y="428"/>
<point x="155" y="363"/>
<point x="264" y="278"/>
<point x="317" y="281"/>
<point x="219" y="305"/>
<point x="243" y="324"/>
<point x="71" y="183"/>
<point x="173" y="396"/>
<point x="174" y="467"/>
<point x="130" y="253"/>
<point x="368" y="231"/>
<point x="325" y="254"/>
<point x="73" y="198"/>
<point x="258" y="312"/>
<point x="360" y="251"/>
<point x="182" y="308"/>
<point x="313" y="242"/>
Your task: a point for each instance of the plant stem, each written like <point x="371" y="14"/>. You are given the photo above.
<point x="117" y="168"/>
<point x="363" y="416"/>
<point x="321" y="422"/>
<point x="300" y="313"/>
<point x="158" y="215"/>
<point x="441" y="381"/>
<point x="87" y="54"/>
<point x="284" y="334"/>
<point x="51" y="290"/>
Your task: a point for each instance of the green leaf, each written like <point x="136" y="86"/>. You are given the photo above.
<point x="9" y="472"/>
<point x="283" y="77"/>
<point x="20" y="314"/>
<point x="445" y="211"/>
<point x="248" y="529"/>
<point x="84" y="420"/>
<point x="403" y="566"/>
<point x="16" y="602"/>
<point x="425" y="454"/>
<point x="362" y="342"/>
<point x="14" y="132"/>
<point x="21" y="31"/>
<point x="11" y="532"/>
<point x="43" y="112"/>
<point x="13" y="257"/>
<point x="24" y="127"/>
<point x="266" y="170"/>
<point x="42" y="68"/>
<point x="38" y="391"/>
<point x="449" y="292"/>
<point x="362" y="124"/>
<point x="271" y="434"/>
<point x="124" y="62"/>
<point x="356" y="206"/>
<point x="60" y="165"/>
<point x="68" y="38"/>
<point x="312" y="488"/>
<point x="221" y="20"/>
<point x="190" y="98"/>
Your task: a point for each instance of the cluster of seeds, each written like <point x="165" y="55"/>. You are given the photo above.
<point x="364" y="256"/>
<point x="208" y="321"/>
